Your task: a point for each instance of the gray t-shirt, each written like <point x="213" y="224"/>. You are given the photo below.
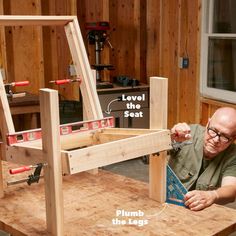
<point x="187" y="163"/>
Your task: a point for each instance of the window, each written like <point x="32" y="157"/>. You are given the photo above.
<point x="218" y="50"/>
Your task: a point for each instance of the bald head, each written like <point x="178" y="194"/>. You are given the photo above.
<point x="226" y="117"/>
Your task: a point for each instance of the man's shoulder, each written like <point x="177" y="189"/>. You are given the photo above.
<point x="232" y="148"/>
<point x="229" y="154"/>
<point x="196" y="129"/>
<point x="229" y="160"/>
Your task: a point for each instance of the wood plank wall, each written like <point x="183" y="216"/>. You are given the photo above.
<point x="24" y="52"/>
<point x="176" y="34"/>
<point x="128" y="21"/>
<point x="148" y="36"/>
<point x="57" y="57"/>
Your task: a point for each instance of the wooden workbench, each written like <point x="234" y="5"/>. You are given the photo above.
<point x="90" y="204"/>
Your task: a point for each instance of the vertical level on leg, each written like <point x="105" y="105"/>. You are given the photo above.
<point x="49" y="108"/>
<point x="158" y="120"/>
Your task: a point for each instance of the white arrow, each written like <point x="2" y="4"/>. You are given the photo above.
<point x="108" y="111"/>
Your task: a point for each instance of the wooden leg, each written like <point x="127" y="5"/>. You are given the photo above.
<point x="157" y="177"/>
<point x="158" y="120"/>
<point x="49" y="107"/>
<point x="6" y="126"/>
<point x="95" y="170"/>
<point x="83" y="69"/>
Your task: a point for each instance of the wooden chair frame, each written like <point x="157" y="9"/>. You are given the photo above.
<point x="91" y="149"/>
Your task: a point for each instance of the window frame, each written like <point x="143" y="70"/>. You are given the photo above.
<point x="206" y="34"/>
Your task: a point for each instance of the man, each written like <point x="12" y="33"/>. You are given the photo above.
<point x="207" y="168"/>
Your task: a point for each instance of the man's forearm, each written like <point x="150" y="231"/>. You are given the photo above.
<point x="225" y="194"/>
<point x="197" y="199"/>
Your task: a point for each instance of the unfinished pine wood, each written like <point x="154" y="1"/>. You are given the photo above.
<point x="84" y="150"/>
<point x="18" y="20"/>
<point x="90" y="204"/>
<point x="88" y="89"/>
<point x="158" y="120"/>
<point x="158" y="102"/>
<point x="26" y="155"/>
<point x="109" y="135"/>
<point x="87" y="76"/>
<point x="94" y="171"/>
<point x="49" y="107"/>
<point x="122" y="150"/>
<point x="91" y="105"/>
<point x="94" y="80"/>
<point x="6" y="126"/>
<point x="128" y="131"/>
<point x="29" y="153"/>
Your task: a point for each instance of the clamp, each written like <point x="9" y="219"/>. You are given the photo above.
<point x="65" y="81"/>
<point x="8" y="89"/>
<point x="32" y="178"/>
<point x="179" y="145"/>
<point x="176" y="146"/>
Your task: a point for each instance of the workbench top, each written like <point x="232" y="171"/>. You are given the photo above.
<point x="123" y="89"/>
<point x="91" y="205"/>
<point x="27" y="100"/>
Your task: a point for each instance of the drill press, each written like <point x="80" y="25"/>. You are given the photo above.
<point x="97" y="35"/>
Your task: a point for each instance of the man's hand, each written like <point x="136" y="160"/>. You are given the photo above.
<point x="197" y="200"/>
<point x="180" y="132"/>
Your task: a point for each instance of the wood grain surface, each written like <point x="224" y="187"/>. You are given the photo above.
<point x="91" y="202"/>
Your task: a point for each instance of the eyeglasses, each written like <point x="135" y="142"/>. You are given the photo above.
<point x="213" y="133"/>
